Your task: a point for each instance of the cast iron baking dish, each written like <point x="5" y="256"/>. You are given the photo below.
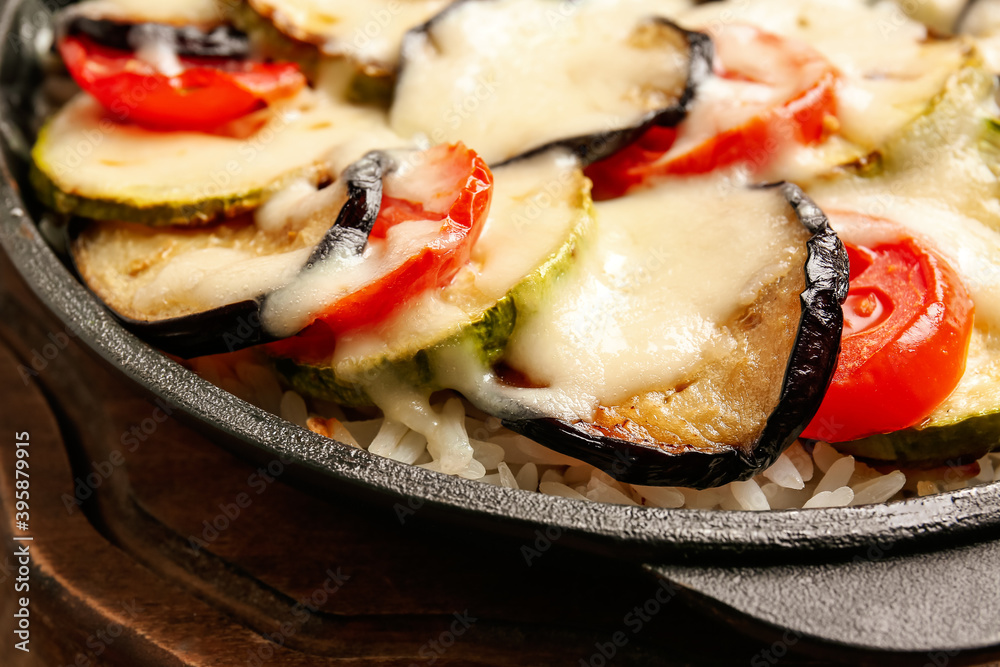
<point x="914" y="576"/>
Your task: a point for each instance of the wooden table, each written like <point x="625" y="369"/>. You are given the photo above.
<point x="182" y="554"/>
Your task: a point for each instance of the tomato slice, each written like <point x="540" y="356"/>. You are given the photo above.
<point x="768" y="92"/>
<point x="907" y="324"/>
<point x="452" y="186"/>
<point x="204" y="94"/>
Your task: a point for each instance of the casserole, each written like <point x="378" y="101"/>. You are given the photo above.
<point x="692" y="546"/>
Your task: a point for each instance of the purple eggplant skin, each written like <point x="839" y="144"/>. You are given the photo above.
<point x="590" y="148"/>
<point x="354" y="223"/>
<point x="222" y="42"/>
<point x="236" y="326"/>
<point x="810" y="368"/>
<point x="228" y="328"/>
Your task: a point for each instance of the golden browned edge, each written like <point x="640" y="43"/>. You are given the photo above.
<point x="725" y="402"/>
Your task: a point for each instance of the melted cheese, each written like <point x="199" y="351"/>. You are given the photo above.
<point x="512" y="75"/>
<point x="939" y="15"/>
<point x="213" y="277"/>
<point x="294" y="306"/>
<point x="155" y="49"/>
<point x="647" y="300"/>
<point x="150" y="274"/>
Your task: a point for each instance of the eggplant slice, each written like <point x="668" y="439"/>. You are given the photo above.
<point x="221" y="42"/>
<point x="114" y="260"/>
<point x="979" y="18"/>
<point x="790" y="337"/>
<point x="518" y="77"/>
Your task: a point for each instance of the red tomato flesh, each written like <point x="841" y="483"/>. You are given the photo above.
<point x="455" y="187"/>
<point x="205" y="94"/>
<point x="769" y="92"/>
<point x="907" y="324"/>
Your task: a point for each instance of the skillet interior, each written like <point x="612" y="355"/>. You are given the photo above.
<point x="718" y="536"/>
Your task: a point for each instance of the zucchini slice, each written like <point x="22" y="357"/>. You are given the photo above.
<point x="949" y="155"/>
<point x="701" y="331"/>
<point x="938" y="178"/>
<point x="200" y="291"/>
<point x="512" y="77"/>
<point x="890" y="66"/>
<point x="540" y="217"/>
<point x="369" y="33"/>
<point x="962" y="429"/>
<point x="88" y="164"/>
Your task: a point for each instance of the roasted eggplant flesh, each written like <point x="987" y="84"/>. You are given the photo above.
<point x="528" y="82"/>
<point x="732" y="411"/>
<point x="199" y="291"/>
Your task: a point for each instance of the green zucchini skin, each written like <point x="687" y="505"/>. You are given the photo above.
<point x="198" y="213"/>
<point x="488" y="336"/>
<point x="126" y="173"/>
<point x="810" y="367"/>
<point x="961" y="442"/>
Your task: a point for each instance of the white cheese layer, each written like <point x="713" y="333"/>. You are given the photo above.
<point x="939" y="15"/>
<point x="512" y="75"/>
<point x="647" y="301"/>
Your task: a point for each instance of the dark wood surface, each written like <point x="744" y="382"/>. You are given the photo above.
<point x="284" y="577"/>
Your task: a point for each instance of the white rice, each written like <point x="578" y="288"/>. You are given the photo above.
<point x="476" y="446"/>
